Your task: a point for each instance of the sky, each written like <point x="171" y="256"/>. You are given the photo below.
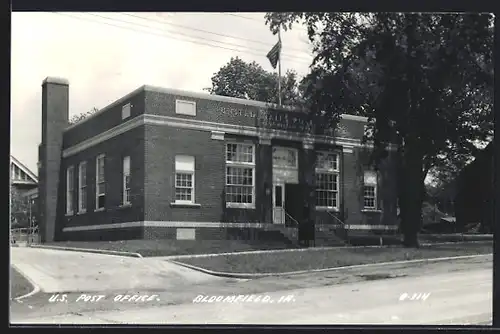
<point x="107" y="55"/>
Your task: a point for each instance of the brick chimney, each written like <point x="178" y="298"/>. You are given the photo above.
<point x="55" y="115"/>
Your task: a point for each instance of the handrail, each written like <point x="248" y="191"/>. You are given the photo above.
<point x="289" y="216"/>
<point x="345" y="233"/>
<point x="337" y="218"/>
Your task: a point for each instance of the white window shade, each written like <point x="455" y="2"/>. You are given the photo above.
<point x="185" y="107"/>
<point x="126" y="111"/>
<point x="370" y="178"/>
<point x="184" y="163"/>
<point x="126" y="165"/>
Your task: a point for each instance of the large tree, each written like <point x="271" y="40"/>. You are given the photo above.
<point x="425" y="80"/>
<point x="245" y="80"/>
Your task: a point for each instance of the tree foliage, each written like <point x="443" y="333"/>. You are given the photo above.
<point x="19" y="209"/>
<point x="77" y="118"/>
<point x="250" y="81"/>
<point x="425" y="80"/>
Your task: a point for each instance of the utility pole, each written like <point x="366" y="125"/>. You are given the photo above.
<point x="30" y="232"/>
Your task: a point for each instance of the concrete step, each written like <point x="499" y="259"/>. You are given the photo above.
<point x="276" y="234"/>
<point x="326" y="236"/>
<point x="290" y="233"/>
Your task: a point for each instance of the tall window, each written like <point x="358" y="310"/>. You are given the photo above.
<point x="184" y="179"/>
<point x="100" y="182"/>
<point x="370" y="190"/>
<point x="70" y="187"/>
<point x="240" y="175"/>
<point x="82" y="187"/>
<point x="126" y="181"/>
<point x="327" y="180"/>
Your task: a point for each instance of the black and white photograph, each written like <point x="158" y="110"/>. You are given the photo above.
<point x="251" y="168"/>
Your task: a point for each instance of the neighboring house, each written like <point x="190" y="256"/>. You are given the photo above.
<point x="23" y="180"/>
<point x="474" y="202"/>
<point x="25" y="183"/>
<point x="165" y="163"/>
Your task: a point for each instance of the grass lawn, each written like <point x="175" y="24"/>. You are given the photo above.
<point x="389" y="240"/>
<point x="166" y="247"/>
<point x="19" y="286"/>
<point x="171" y="247"/>
<point x="329" y="258"/>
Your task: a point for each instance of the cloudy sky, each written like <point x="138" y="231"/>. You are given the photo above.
<point x="107" y="55"/>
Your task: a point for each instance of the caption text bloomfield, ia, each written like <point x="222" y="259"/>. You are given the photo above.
<point x="90" y="298"/>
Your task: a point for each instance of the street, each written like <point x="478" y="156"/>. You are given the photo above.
<point x="451" y="292"/>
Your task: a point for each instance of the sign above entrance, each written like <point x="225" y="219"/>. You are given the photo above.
<point x="285" y="157"/>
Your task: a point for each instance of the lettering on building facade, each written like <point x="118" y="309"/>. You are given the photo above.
<point x="270" y="119"/>
<point x="259" y="117"/>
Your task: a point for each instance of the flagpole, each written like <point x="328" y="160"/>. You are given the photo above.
<point x="279" y="69"/>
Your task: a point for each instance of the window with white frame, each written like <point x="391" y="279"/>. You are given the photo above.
<point x="327" y="180"/>
<point x="82" y="187"/>
<point x="240" y="175"/>
<point x="183" y="107"/>
<point x="126" y="111"/>
<point x="126" y="181"/>
<point x="70" y="187"/>
<point x="184" y="179"/>
<point x="100" y="195"/>
<point x="370" y="190"/>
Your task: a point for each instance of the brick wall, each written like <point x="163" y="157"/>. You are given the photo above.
<point x="128" y="233"/>
<point x="104" y="119"/>
<point x="247" y="113"/>
<point x="55" y="101"/>
<point x="162" y="145"/>
<point x="354" y="166"/>
<point x="264" y="181"/>
<point x="115" y="149"/>
<point x="216" y="233"/>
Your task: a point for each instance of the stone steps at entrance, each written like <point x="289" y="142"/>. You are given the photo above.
<point x="325" y="236"/>
<point x="289" y="233"/>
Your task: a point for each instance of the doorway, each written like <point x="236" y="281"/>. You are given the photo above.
<point x="279" y="203"/>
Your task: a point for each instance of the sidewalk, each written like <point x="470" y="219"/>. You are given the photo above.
<point x="66" y="271"/>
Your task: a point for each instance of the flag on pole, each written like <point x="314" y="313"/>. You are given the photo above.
<point x="274" y="54"/>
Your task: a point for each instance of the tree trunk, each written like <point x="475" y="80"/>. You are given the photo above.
<point x="411" y="196"/>
<point x="413" y="158"/>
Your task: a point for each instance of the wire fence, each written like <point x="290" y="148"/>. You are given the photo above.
<point x="24" y="235"/>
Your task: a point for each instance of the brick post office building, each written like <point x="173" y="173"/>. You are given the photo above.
<point x="164" y="163"/>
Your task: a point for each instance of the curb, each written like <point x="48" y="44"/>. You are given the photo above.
<point x="87" y="250"/>
<point x="35" y="290"/>
<point x="311" y="249"/>
<point x="291" y="273"/>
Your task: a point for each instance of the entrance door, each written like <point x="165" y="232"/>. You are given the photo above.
<point x="278" y="203"/>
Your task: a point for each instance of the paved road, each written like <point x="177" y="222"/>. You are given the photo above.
<point x="460" y="293"/>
